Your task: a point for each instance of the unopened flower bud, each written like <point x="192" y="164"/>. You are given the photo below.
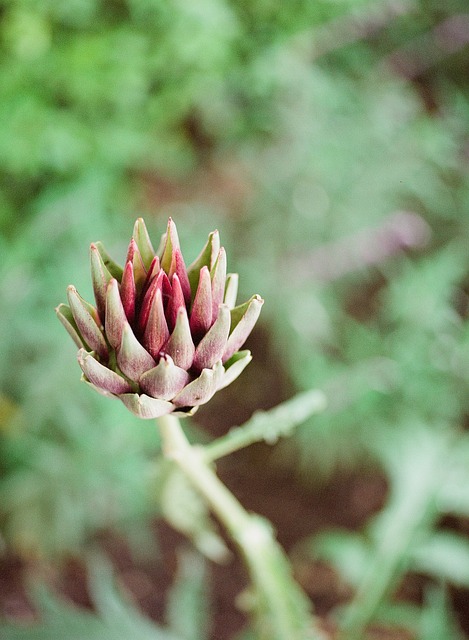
<point x="160" y="337"/>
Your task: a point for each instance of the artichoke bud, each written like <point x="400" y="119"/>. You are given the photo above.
<point x="160" y="337"/>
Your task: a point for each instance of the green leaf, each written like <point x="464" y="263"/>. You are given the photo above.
<point x="187" y="512"/>
<point x="453" y="496"/>
<point x="399" y="614"/>
<point x="116" y="619"/>
<point x="437" y="621"/>
<point x="187" y="608"/>
<point x="347" y="551"/>
<point x="444" y="555"/>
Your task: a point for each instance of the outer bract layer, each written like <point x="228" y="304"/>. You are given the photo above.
<point x="161" y="337"/>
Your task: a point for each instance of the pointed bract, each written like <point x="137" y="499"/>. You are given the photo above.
<point x="133" y="256"/>
<point x="243" y="319"/>
<point x="231" y="290"/>
<point x="65" y="316"/>
<point x="201" y="313"/>
<point x="86" y="320"/>
<point x="152" y="272"/>
<point x="164" y="380"/>
<point x="128" y="292"/>
<point x="178" y="267"/>
<point x="206" y="258"/>
<point x="201" y="389"/>
<point x="234" y="367"/>
<point x="143" y="241"/>
<point x="171" y="244"/>
<point x="133" y="359"/>
<point x="102" y="392"/>
<point x="175" y="302"/>
<point x="156" y="332"/>
<point x="218" y="275"/>
<point x="100" y="277"/>
<point x="180" y="345"/>
<point x="101" y="376"/>
<point x="161" y="283"/>
<point x="115" y="315"/>
<point x="145" y="407"/>
<point x="213" y="344"/>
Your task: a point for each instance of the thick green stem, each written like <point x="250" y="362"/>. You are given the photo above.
<point x="285" y="609"/>
<point x="176" y="447"/>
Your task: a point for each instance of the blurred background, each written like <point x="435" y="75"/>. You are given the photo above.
<point x="328" y="141"/>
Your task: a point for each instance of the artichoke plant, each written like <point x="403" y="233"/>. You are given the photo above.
<point x="161" y="337"/>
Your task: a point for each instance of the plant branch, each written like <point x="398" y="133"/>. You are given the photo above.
<point x="283" y="609"/>
<point x="268" y="426"/>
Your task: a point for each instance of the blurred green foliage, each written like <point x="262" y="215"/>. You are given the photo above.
<point x="329" y="143"/>
<point x="117" y="618"/>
